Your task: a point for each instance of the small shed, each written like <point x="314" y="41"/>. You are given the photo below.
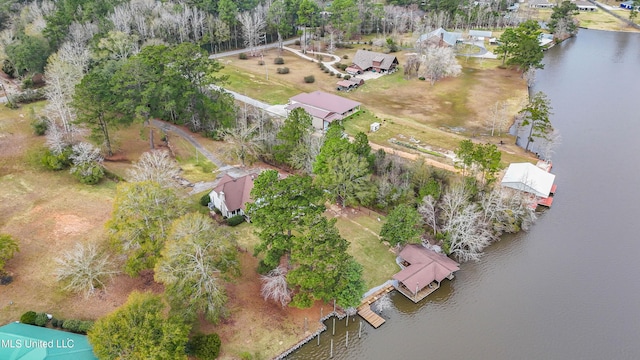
<point x="529" y="178"/>
<point x="374" y="127"/>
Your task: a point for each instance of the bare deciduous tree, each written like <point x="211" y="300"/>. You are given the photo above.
<point x="507" y="210"/>
<point x="274" y="286"/>
<point x="253" y="26"/>
<point x="439" y="62"/>
<point x="550" y="143"/>
<point x="84" y="269"/>
<point x="61" y="77"/>
<point x="467" y="234"/>
<point x="429" y="211"/>
<point x="498" y="118"/>
<point x="155" y="165"/>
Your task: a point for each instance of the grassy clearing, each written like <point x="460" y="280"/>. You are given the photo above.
<point x="377" y="261"/>
<point x="195" y="166"/>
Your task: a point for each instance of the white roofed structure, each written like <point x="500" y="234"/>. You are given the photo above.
<point x="529" y="178"/>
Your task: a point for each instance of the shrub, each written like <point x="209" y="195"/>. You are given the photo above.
<point x="77" y="326"/>
<point x="60" y="161"/>
<point x="332" y="74"/>
<point x="263" y="268"/>
<point x="205" y="200"/>
<point x="284" y="70"/>
<point x="235" y="220"/>
<point x="326" y="71"/>
<point x="309" y="79"/>
<point x="347" y="77"/>
<point x="278" y="61"/>
<point x="39" y="126"/>
<point x="297" y="43"/>
<point x="56" y="323"/>
<point x="345" y="56"/>
<point x="339" y="75"/>
<point x="242" y="56"/>
<point x="421" y="78"/>
<point x="5" y="279"/>
<point x="41" y="319"/>
<point x="260" y="62"/>
<point x="88" y="174"/>
<point x="204" y="347"/>
<point x="28" y="318"/>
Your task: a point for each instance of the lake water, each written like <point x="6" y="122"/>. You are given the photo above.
<point x="570" y="287"/>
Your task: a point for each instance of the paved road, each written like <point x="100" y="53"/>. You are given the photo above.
<point x="245" y="99"/>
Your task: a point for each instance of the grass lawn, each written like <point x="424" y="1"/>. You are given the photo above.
<point x="362" y="232"/>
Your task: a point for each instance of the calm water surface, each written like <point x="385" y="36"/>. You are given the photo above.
<point x="569" y="288"/>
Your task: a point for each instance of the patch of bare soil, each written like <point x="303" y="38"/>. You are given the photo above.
<point x="258" y="327"/>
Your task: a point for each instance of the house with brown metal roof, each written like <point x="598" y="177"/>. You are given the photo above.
<point x="323" y="107"/>
<point x="372" y="61"/>
<point x="231" y="195"/>
<point x="422" y="271"/>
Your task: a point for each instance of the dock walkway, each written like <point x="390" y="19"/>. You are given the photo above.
<point x="364" y="310"/>
<point x="372" y="318"/>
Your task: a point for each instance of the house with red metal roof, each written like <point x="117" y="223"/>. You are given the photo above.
<point x="422" y="271"/>
<point x="231" y="195"/>
<point x="323" y="107"/>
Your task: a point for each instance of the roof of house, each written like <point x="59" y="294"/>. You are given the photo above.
<point x="364" y="59"/>
<point x="528" y="178"/>
<point x="29" y="342"/>
<point x="448" y="37"/>
<point x="237" y="192"/>
<point x="480" y="33"/>
<point x="325" y="101"/>
<point x="313" y="111"/>
<point x="346" y="83"/>
<point x="425" y="266"/>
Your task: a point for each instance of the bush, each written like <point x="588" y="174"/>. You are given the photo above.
<point x="28" y="96"/>
<point x="297" y="43"/>
<point x="332" y="74"/>
<point x="339" y="75"/>
<point x="56" y="323"/>
<point x="39" y="126"/>
<point x="421" y="78"/>
<point x="284" y="70"/>
<point x="235" y="220"/>
<point x="326" y="71"/>
<point x="309" y="79"/>
<point x="242" y="56"/>
<point x="55" y="162"/>
<point x="28" y="318"/>
<point x="263" y="268"/>
<point x="77" y="326"/>
<point x="88" y="174"/>
<point x="205" y="199"/>
<point x="41" y="319"/>
<point x="204" y="347"/>
<point x="278" y="61"/>
<point x="5" y="279"/>
<point x="260" y="62"/>
<point x="347" y="77"/>
<point x="345" y="56"/>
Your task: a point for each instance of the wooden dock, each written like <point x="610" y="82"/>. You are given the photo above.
<point x="372" y="318"/>
<point x="364" y="310"/>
